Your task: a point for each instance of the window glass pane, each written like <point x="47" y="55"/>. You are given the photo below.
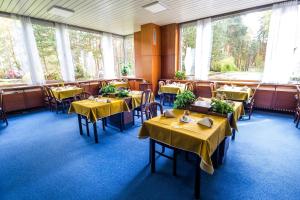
<point x="11" y="70"/>
<point x="129" y="53"/>
<point x="118" y="49"/>
<point x="188" y="44"/>
<point x="239" y="46"/>
<point x="87" y="54"/>
<point x="46" y="44"/>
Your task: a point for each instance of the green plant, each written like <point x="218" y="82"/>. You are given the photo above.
<point x="108" y="89"/>
<point x="180" y="75"/>
<point x="221" y="106"/>
<point x="125" y="69"/>
<point x="122" y="93"/>
<point x="184" y="99"/>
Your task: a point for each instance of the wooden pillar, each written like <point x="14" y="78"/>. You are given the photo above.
<point x="169" y="50"/>
<point x="148" y="54"/>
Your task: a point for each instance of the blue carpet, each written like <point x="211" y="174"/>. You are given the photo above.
<point x="42" y="156"/>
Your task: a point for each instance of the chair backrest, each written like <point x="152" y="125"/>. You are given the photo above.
<point x="45" y="92"/>
<point x="160" y="84"/>
<point x="168" y="81"/>
<point x="84" y="95"/>
<point x="189" y="86"/>
<point x="252" y="99"/>
<point x="50" y="92"/>
<point x="212" y="89"/>
<point x="152" y="110"/>
<point x="145" y="98"/>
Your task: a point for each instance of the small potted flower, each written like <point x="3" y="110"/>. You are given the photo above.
<point x="125" y="69"/>
<point x="180" y="75"/>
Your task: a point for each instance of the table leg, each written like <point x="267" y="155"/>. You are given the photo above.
<point x="152" y="155"/>
<point x="197" y="179"/>
<point x="233" y="134"/>
<point x="174" y="162"/>
<point x="122" y="122"/>
<point x="87" y="127"/>
<point x="95" y="132"/>
<point x="80" y="124"/>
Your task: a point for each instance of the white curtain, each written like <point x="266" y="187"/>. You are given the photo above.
<point x="31" y="58"/>
<point x="280" y="54"/>
<point x="203" y="48"/>
<point x="64" y="52"/>
<point x="108" y="56"/>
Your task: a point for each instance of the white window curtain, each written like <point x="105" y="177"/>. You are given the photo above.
<point x="30" y="56"/>
<point x="280" y="54"/>
<point x="203" y="48"/>
<point x="64" y="52"/>
<point x="108" y="56"/>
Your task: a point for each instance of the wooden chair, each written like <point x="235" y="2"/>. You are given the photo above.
<point x="82" y="96"/>
<point x="2" y="111"/>
<point x="145" y="100"/>
<point x="168" y="81"/>
<point x="189" y="86"/>
<point x="249" y="104"/>
<point x="47" y="98"/>
<point x="212" y="89"/>
<point x="58" y="103"/>
<point x="152" y="111"/>
<point x="297" y="110"/>
<point x="161" y="95"/>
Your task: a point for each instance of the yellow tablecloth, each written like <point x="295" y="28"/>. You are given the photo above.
<point x="188" y="136"/>
<point x="136" y="98"/>
<point x="120" y="84"/>
<point x="235" y="93"/>
<point x="66" y="92"/>
<point x="171" y="89"/>
<point x="96" y="110"/>
<point x="237" y="113"/>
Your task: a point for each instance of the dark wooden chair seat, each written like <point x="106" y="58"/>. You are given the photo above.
<point x="145" y="100"/>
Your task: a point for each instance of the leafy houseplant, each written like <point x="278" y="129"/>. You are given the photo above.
<point x="125" y="69"/>
<point x="180" y="75"/>
<point x="221" y="106"/>
<point x="122" y="93"/>
<point x="108" y="89"/>
<point x="184" y="99"/>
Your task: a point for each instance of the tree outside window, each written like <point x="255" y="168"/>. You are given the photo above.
<point x="86" y="53"/>
<point x="46" y="45"/>
<point x="11" y="71"/>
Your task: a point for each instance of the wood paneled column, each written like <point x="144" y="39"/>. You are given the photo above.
<point x="148" y="54"/>
<point x="169" y="50"/>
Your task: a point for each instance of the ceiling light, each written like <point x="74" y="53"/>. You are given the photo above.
<point x="155" y="7"/>
<point x="59" y="11"/>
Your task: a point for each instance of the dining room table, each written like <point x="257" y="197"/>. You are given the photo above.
<point x="93" y="109"/>
<point x="65" y="92"/>
<point x="190" y="137"/>
<point x="235" y="93"/>
<point x="120" y="84"/>
<point x="173" y="88"/>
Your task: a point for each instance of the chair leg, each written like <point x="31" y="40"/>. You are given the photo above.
<point x="142" y="116"/>
<point x="103" y="123"/>
<point x="298" y="120"/>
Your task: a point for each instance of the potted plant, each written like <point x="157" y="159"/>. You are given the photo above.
<point x="184" y="100"/>
<point x="221" y="107"/>
<point x="180" y="75"/>
<point x="122" y="93"/>
<point x="108" y="89"/>
<point x="125" y="69"/>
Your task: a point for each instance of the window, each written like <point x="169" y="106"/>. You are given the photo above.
<point x="188" y="45"/>
<point x="239" y="46"/>
<point x="118" y="48"/>
<point x="87" y="54"/>
<point x="129" y="53"/>
<point x="46" y="45"/>
<point x="11" y="70"/>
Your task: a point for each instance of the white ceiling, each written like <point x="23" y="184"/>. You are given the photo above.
<point x="125" y="16"/>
